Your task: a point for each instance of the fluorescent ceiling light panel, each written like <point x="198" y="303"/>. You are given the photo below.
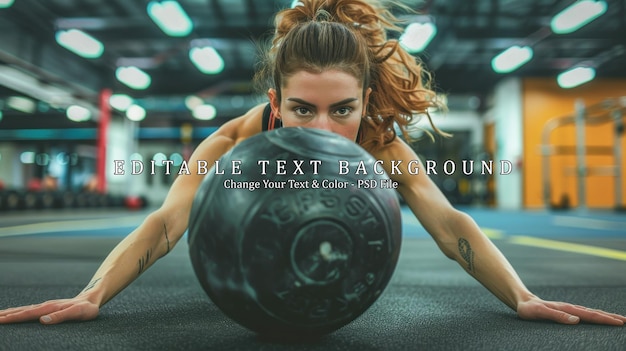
<point x="22" y="104"/>
<point x="170" y="17"/>
<point x="27" y="157"/>
<point x="207" y="60"/>
<point x="133" y="77"/>
<point x="417" y="36"/>
<point x="575" y="77"/>
<point x="80" y="43"/>
<point x="511" y="59"/>
<point x="120" y="102"/>
<point x="136" y="113"/>
<point x="6" y="3"/>
<point x="204" y="112"/>
<point x="78" y="113"/>
<point x="577" y="15"/>
<point x="158" y="159"/>
<point x="193" y="101"/>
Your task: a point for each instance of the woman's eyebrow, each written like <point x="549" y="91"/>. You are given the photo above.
<point x="342" y="102"/>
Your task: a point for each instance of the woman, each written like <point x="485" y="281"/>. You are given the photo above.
<point x="330" y="67"/>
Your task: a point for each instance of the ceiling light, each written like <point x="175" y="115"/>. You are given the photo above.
<point x="177" y="158"/>
<point x="120" y="102"/>
<point x="136" y="156"/>
<point x="78" y="113"/>
<point x="6" y="3"/>
<point x="575" y="77"/>
<point x="511" y="59"/>
<point x="22" y="104"/>
<point x="204" y="112"/>
<point x="577" y="15"/>
<point x="158" y="159"/>
<point x="133" y="77"/>
<point x="27" y="157"/>
<point x="417" y="36"/>
<point x="136" y="113"/>
<point x="170" y="17"/>
<point x="207" y="59"/>
<point x="193" y="101"/>
<point x="80" y="43"/>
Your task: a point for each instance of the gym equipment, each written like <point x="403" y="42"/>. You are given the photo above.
<point x="68" y="199"/>
<point x="294" y="260"/>
<point x="21" y="199"/>
<point x="133" y="202"/>
<point x="609" y="110"/>
<point x="14" y="200"/>
<point x="31" y="200"/>
<point x="49" y="199"/>
<point x="4" y="198"/>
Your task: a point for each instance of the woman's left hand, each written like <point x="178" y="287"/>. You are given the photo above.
<point x="566" y="313"/>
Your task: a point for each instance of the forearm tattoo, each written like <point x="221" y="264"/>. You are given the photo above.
<point x="143" y="261"/>
<point x="166" y="239"/>
<point x="465" y="249"/>
<point x="91" y="284"/>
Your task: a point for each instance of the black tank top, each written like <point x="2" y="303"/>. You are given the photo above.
<point x="270" y="122"/>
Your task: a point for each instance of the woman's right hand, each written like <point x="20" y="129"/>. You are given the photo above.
<point x="52" y="312"/>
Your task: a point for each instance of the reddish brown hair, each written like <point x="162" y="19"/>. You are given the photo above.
<point x="351" y="35"/>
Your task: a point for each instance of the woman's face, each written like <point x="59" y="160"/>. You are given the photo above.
<point x="332" y="100"/>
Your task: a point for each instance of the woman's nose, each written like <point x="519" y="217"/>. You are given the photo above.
<point x="322" y="121"/>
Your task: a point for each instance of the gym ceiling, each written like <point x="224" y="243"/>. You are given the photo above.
<point x="469" y="35"/>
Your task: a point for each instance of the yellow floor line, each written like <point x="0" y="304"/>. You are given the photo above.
<point x="493" y="233"/>
<point x="587" y="223"/>
<point x="570" y="247"/>
<point x="70" y="226"/>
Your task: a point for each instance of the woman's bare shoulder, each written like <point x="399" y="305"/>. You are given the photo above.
<point x="395" y="150"/>
<point x="398" y="159"/>
<point x="244" y="126"/>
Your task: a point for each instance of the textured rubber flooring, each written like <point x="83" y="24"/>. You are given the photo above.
<point x="430" y="304"/>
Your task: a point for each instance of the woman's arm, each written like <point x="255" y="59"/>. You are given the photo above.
<point x="158" y="233"/>
<point x="460" y="239"/>
<point x="153" y="239"/>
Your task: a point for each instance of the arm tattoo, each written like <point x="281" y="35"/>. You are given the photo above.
<point x="91" y="284"/>
<point x="166" y="238"/>
<point x="467" y="253"/>
<point x="143" y="261"/>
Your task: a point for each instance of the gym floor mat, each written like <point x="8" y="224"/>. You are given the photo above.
<point x="430" y="303"/>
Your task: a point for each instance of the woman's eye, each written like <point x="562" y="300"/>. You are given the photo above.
<point x="301" y="110"/>
<point x="343" y="111"/>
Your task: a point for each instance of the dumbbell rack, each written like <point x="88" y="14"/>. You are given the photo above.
<point x="607" y="111"/>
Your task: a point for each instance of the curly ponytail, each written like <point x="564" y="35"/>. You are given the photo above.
<point x="351" y="35"/>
